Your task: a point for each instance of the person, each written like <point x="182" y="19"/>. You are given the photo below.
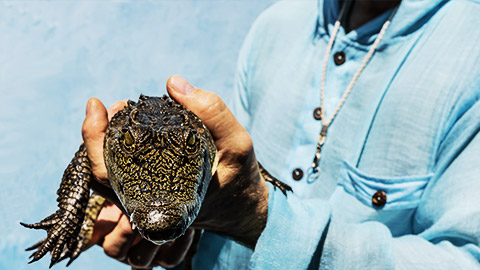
<point x="390" y="182"/>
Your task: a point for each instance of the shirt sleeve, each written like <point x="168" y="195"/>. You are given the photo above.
<point x="239" y="101"/>
<point x="303" y="234"/>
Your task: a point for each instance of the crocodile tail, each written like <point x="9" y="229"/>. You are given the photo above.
<point x="95" y="204"/>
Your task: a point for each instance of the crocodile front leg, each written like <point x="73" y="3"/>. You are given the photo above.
<point x="65" y="224"/>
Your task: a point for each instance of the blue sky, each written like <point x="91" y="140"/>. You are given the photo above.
<point x="54" y="55"/>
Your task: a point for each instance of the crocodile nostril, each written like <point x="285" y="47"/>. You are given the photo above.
<point x="156" y="216"/>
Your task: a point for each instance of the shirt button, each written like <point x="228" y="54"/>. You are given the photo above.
<point x="379" y="198"/>
<point x="297" y="174"/>
<point x="317" y="113"/>
<point x="339" y="58"/>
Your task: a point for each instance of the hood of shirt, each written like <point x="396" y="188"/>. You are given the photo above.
<point x="410" y="16"/>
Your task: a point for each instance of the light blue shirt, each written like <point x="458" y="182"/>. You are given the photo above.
<point x="410" y="127"/>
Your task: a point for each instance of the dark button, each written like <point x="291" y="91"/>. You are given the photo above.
<point x="339" y="58"/>
<point x="317" y="113"/>
<point x="297" y="174"/>
<point x="379" y="198"/>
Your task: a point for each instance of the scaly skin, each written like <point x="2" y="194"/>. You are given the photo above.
<point x="95" y="204"/>
<point x="64" y="225"/>
<point x="160" y="159"/>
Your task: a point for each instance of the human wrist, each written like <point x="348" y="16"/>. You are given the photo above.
<point x="237" y="209"/>
<point x="252" y="216"/>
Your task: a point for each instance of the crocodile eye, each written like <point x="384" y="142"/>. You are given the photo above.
<point x="128" y="139"/>
<point x="191" y="144"/>
<point x="191" y="139"/>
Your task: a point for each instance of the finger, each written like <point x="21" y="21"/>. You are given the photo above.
<point x="93" y="132"/>
<point x="94" y="144"/>
<point x="106" y="221"/>
<point x="171" y="254"/>
<point x="117" y="243"/>
<point x="211" y="109"/>
<point x="142" y="254"/>
<point x="117" y="106"/>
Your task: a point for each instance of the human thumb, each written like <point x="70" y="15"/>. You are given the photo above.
<point x="93" y="132"/>
<point x="210" y="108"/>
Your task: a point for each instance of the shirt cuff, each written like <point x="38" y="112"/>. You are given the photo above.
<point x="292" y="233"/>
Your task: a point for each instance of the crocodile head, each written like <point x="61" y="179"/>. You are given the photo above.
<point x="160" y="159"/>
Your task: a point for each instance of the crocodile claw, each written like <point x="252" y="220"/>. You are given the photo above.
<point x="274" y="181"/>
<point x="60" y="229"/>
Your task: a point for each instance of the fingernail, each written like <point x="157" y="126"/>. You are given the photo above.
<point x="181" y="85"/>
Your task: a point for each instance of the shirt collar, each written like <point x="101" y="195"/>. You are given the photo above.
<point x="410" y="16"/>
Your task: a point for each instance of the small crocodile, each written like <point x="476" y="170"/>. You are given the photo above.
<point x="160" y="158"/>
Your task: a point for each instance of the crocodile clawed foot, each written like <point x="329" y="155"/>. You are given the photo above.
<point x="60" y="227"/>
<point x="65" y="224"/>
<point x="276" y="183"/>
<point x="282" y="186"/>
<point x="36" y="245"/>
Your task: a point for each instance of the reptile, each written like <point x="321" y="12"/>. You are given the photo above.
<point x="160" y="158"/>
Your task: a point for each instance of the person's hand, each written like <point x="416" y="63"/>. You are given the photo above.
<point x="237" y="198"/>
<point x="113" y="232"/>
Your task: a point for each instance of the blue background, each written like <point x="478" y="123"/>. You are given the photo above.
<point x="55" y="55"/>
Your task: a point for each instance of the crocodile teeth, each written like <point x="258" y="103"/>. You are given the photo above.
<point x="134" y="226"/>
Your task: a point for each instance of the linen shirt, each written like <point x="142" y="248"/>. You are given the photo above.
<point x="410" y="127"/>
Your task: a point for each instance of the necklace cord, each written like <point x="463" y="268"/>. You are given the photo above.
<point x="326" y="123"/>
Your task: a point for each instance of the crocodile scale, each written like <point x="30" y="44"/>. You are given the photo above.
<point x="160" y="159"/>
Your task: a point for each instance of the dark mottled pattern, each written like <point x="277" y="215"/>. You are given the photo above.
<point x="159" y="157"/>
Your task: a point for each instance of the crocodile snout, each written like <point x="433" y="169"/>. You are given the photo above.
<point x="160" y="225"/>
